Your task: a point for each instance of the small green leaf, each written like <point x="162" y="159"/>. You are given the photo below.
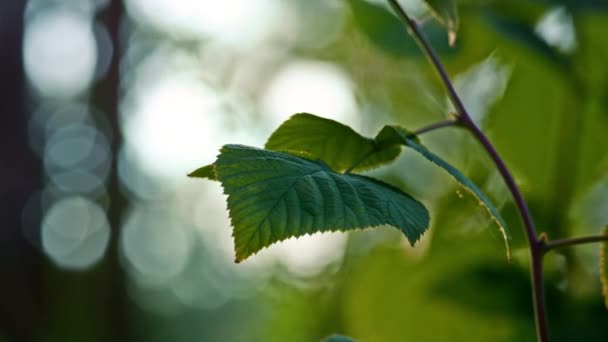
<point x="204" y="172"/>
<point x="338" y="145"/>
<point x="339" y="338"/>
<point x="604" y="267"/>
<point x="273" y="196"/>
<point x="394" y="135"/>
<point x="446" y="12"/>
<point x="414" y="144"/>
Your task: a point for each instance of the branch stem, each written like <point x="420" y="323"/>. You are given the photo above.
<point x="549" y="245"/>
<point x="430" y="53"/>
<point x="537" y="247"/>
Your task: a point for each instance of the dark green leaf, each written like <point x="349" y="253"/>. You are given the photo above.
<point x="338" y="338"/>
<point x="273" y="196"/>
<point x="604" y="267"/>
<point x="408" y="141"/>
<point x="524" y="34"/>
<point x="382" y="28"/>
<point x="446" y="13"/>
<point x="204" y="172"/>
<point x="579" y="5"/>
<point x="336" y="144"/>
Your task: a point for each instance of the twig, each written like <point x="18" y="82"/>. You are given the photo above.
<point x="437" y="125"/>
<point x="549" y="245"/>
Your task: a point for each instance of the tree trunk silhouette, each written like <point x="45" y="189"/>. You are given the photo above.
<point x="20" y="178"/>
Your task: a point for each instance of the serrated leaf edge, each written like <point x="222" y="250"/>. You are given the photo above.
<point x="239" y="258"/>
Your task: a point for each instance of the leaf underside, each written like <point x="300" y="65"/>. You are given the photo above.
<point x="273" y="196"/>
<point x="604" y="267"/>
<point x="332" y="142"/>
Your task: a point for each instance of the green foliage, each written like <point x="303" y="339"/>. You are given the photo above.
<point x="325" y="139"/>
<point x="446" y="13"/>
<point x="387" y="32"/>
<point x="273" y="196"/>
<point x="382" y="28"/>
<point x="604" y="267"/>
<point x="336" y="144"/>
<point x="523" y="33"/>
<point x="297" y="187"/>
<point x="394" y="135"/>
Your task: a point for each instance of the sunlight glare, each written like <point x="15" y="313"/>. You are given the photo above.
<point x="174" y="125"/>
<point x="235" y="22"/>
<point x="314" y="87"/>
<point x="557" y="29"/>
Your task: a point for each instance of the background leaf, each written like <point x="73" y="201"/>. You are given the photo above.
<point x="604" y="267"/>
<point x="338" y="338"/>
<point x="446" y="12"/>
<point x="338" y="145"/>
<point x="523" y="33"/>
<point x="273" y="196"/>
<point x="382" y="28"/>
<point x="389" y="34"/>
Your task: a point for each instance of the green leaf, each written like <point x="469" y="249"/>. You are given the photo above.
<point x="339" y="338"/>
<point x="338" y="145"/>
<point x="523" y="33"/>
<point x="273" y="196"/>
<point x="604" y="267"/>
<point x="204" y="172"/>
<point x="446" y="12"/>
<point x="394" y="135"/>
<point x="388" y="33"/>
<point x="412" y="143"/>
<point x="382" y="28"/>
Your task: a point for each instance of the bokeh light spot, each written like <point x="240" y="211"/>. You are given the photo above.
<point x="174" y="126"/>
<point x="315" y="87"/>
<point x="60" y="52"/>
<point x="155" y="245"/>
<point x="75" y="233"/>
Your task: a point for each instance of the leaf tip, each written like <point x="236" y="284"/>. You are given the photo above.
<point x="204" y="172"/>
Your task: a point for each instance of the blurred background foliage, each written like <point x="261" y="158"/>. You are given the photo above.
<point x="114" y="102"/>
